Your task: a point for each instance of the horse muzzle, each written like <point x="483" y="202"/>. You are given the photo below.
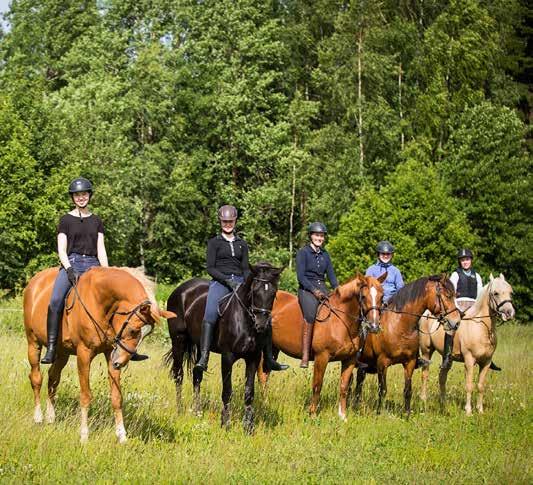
<point x="507" y="312"/>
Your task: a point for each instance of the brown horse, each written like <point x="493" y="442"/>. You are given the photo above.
<point x="336" y="335"/>
<point x="398" y="341"/>
<point x="108" y="312"/>
<point x="474" y="342"/>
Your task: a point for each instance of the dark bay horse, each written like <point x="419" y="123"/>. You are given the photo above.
<point x="336" y="333"/>
<point x="109" y="312"/>
<point x="245" y="316"/>
<point x="398" y="341"/>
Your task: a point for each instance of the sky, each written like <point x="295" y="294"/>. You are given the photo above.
<point x="4" y="7"/>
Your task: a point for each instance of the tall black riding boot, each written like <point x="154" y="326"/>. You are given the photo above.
<point x="448" y="348"/>
<point x="269" y="363"/>
<point x="359" y="354"/>
<point x="205" y="345"/>
<point x="493" y="366"/>
<point x="52" y="329"/>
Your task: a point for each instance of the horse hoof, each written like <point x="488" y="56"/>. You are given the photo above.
<point x="84" y="438"/>
<point x="122" y="439"/>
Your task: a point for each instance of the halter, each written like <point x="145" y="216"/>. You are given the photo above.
<point x="117" y="340"/>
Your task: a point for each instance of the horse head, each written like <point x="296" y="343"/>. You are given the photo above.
<point x="368" y="293"/>
<point x="131" y="330"/>
<point x="501" y="297"/>
<point x="264" y="285"/>
<point x="442" y="297"/>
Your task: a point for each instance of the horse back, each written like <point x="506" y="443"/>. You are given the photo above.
<point x="187" y="301"/>
<point x="36" y="297"/>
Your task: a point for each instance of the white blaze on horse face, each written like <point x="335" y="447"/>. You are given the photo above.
<point x="266" y="286"/>
<point x="374" y="295"/>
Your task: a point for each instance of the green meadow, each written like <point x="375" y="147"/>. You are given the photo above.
<point x="170" y="445"/>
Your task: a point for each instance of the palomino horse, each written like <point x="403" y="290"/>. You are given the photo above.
<point x="108" y="312"/>
<point x="475" y="339"/>
<point x="397" y="343"/>
<point x="245" y="316"/>
<point x="336" y="334"/>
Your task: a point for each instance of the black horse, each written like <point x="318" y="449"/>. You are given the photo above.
<point x="240" y="334"/>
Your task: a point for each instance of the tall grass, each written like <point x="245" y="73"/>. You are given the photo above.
<point x="174" y="446"/>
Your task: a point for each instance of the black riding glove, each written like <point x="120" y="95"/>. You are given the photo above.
<point x="234" y="285"/>
<point x="71" y="275"/>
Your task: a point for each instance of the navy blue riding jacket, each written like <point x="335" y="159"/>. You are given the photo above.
<point x="311" y="268"/>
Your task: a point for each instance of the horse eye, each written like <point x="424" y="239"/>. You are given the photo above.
<point x="496" y="293"/>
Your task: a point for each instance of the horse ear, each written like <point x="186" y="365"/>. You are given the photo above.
<point x="278" y="271"/>
<point x="167" y="314"/>
<point x="383" y="277"/>
<point x="502" y="277"/>
<point x="491" y="278"/>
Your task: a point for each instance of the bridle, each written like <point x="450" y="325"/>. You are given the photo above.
<point x="441" y="317"/>
<point x="363" y="320"/>
<point x="117" y="341"/>
<point x="252" y="310"/>
<point x="497" y="305"/>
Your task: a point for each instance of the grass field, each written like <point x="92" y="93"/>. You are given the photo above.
<point x="168" y="446"/>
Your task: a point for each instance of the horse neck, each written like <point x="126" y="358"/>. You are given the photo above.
<point x="348" y="306"/>
<point x="481" y="310"/>
<point x="113" y="293"/>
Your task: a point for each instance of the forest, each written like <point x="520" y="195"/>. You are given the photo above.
<point x="406" y="120"/>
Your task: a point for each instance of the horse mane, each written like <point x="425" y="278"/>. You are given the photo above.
<point x="148" y="283"/>
<point x="413" y="291"/>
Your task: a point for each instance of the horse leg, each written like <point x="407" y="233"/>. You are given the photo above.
<point x="228" y="360"/>
<point x="36" y="380"/>
<point x="116" y="399"/>
<point x="408" y="369"/>
<point x="361" y="374"/>
<point x="54" y="376"/>
<point x="443" y="377"/>
<point x="469" y="382"/>
<point x="382" y="385"/>
<point x="425" y="376"/>
<point x="346" y="379"/>
<point x="249" y="390"/>
<point x="483" y="371"/>
<point x="321" y="362"/>
<point x="84" y="359"/>
<point x="178" y="350"/>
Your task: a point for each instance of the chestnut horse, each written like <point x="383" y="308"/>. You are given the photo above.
<point x="240" y="333"/>
<point x="398" y="341"/>
<point x="475" y="339"/>
<point x="336" y="333"/>
<point x="108" y="312"/>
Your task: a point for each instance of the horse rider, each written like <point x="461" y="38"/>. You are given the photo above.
<point x="468" y="286"/>
<point x="313" y="263"/>
<point x="391" y="285"/>
<point x="80" y="246"/>
<point x="227" y="264"/>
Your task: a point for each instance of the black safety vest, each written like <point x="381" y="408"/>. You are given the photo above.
<point x="466" y="285"/>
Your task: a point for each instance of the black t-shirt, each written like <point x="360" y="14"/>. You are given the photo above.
<point x="82" y="233"/>
<point x="225" y="258"/>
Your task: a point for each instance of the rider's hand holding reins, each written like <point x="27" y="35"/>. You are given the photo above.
<point x="234" y="285"/>
<point x="71" y="275"/>
<point x="320" y="295"/>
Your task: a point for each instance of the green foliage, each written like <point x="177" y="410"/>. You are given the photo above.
<point x="293" y="111"/>
<point x="415" y="211"/>
<point x="488" y="171"/>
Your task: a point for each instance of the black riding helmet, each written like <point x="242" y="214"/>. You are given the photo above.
<point x="384" y="247"/>
<point x="80" y="184"/>
<point x="227" y="212"/>
<point x="464" y="253"/>
<point x="316" y="227"/>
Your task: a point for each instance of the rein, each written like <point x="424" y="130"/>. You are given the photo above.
<point x="441" y="317"/>
<point x="117" y="340"/>
<point x="252" y="310"/>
